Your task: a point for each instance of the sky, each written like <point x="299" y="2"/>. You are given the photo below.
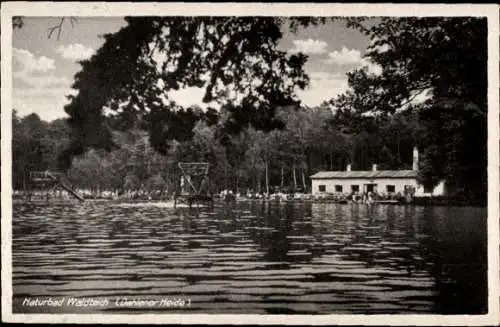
<point x="43" y="68"/>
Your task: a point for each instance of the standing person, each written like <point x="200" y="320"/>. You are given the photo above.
<point x="370" y="197"/>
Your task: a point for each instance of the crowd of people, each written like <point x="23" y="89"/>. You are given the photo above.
<point x="370" y="197"/>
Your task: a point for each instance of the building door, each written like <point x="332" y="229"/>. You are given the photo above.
<point x="370" y="188"/>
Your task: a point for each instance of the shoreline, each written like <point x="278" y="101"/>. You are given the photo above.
<point x="417" y="201"/>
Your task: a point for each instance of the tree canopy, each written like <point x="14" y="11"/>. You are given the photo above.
<point x="446" y="60"/>
<point x="132" y="73"/>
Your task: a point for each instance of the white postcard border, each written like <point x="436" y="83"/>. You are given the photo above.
<point x="11" y="9"/>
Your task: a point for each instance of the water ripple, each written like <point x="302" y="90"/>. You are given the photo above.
<point x="255" y="257"/>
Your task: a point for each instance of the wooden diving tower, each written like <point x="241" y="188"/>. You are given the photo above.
<point x="48" y="181"/>
<point x="194" y="182"/>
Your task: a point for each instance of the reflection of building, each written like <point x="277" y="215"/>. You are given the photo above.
<point x="377" y="181"/>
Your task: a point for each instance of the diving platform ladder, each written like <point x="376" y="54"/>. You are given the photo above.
<point x="194" y="184"/>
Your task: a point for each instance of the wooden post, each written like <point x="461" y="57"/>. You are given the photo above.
<point x="47" y="191"/>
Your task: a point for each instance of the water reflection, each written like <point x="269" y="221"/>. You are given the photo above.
<point x="257" y="257"/>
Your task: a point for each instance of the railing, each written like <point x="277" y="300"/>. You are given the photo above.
<point x="44" y="175"/>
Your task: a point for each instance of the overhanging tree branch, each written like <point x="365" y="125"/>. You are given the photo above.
<point x="58" y="27"/>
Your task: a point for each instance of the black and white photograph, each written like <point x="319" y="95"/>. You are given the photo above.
<point x="269" y="162"/>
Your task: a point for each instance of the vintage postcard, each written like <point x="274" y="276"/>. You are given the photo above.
<point x="259" y="163"/>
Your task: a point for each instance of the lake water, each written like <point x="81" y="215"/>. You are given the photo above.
<point x="253" y="257"/>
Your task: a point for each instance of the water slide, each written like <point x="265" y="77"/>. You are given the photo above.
<point x="70" y="191"/>
<point x="44" y="176"/>
<point x="66" y="187"/>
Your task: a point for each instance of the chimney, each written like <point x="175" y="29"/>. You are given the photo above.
<point x="374" y="167"/>
<point x="348" y="167"/>
<point x="415" y="158"/>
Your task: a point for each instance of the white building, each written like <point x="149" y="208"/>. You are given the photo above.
<point x="389" y="182"/>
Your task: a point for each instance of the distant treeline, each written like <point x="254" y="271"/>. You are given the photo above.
<point x="241" y="157"/>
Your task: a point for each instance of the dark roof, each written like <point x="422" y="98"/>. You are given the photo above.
<point x="365" y="174"/>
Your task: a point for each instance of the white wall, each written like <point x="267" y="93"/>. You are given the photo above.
<point x="399" y="184"/>
<point x="438" y="190"/>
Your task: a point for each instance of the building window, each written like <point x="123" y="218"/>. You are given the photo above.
<point x="391" y="188"/>
<point x="371" y="188"/>
<point x="428" y="189"/>
<point x="355" y="188"/>
<point x="338" y="188"/>
<point x="322" y="188"/>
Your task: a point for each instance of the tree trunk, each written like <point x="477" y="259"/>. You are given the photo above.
<point x="308" y="164"/>
<point x="352" y="152"/>
<point x="304" y="179"/>
<point x="399" y="152"/>
<point x="294" y="178"/>
<point x="25" y="186"/>
<point x="282" y="177"/>
<point x="254" y="179"/>
<point x="225" y="179"/>
<point x="267" y="178"/>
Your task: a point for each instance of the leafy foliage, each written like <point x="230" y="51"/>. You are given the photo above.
<point x="36" y="145"/>
<point x="132" y="73"/>
<point x="445" y="58"/>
